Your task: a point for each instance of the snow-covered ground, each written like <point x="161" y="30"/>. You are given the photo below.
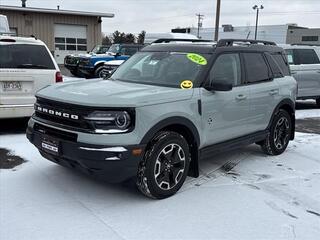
<point x="261" y="197"/>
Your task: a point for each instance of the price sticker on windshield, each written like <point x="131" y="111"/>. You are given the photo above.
<point x="196" y="58"/>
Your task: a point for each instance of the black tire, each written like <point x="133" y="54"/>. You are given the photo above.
<point x="279" y="135"/>
<point x="318" y="102"/>
<point x="165" y="165"/>
<point x="98" y="72"/>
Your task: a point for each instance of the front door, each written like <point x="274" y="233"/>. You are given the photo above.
<point x="225" y="114"/>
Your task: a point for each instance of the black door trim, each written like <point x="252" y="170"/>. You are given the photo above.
<point x="210" y="151"/>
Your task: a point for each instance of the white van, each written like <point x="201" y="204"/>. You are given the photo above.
<point x="26" y="65"/>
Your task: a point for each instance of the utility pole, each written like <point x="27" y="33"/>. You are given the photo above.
<point x="216" y="32"/>
<point x="200" y="18"/>
<point x="255" y="7"/>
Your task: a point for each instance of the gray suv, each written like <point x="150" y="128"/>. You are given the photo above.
<point x="166" y="108"/>
<point x="305" y="68"/>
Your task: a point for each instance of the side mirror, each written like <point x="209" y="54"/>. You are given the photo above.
<point x="219" y="86"/>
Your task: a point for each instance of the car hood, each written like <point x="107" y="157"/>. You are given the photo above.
<point x="108" y="93"/>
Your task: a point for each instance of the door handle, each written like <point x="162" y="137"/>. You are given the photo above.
<point x="241" y="97"/>
<point x="274" y="92"/>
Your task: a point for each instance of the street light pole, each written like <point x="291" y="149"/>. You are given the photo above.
<point x="216" y="30"/>
<point x="255" y="7"/>
<point x="200" y="18"/>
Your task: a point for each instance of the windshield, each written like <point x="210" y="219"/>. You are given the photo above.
<point x="170" y="69"/>
<point x="100" y="49"/>
<point x="115" y="48"/>
<point x="25" y="56"/>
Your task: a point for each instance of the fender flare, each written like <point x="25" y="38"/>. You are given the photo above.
<point x="292" y="105"/>
<point x="171" y="121"/>
<point x="182" y="121"/>
<point x="99" y="62"/>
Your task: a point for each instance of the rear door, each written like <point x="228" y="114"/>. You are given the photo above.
<point x="24" y="69"/>
<point x="305" y="68"/>
<point x="264" y="92"/>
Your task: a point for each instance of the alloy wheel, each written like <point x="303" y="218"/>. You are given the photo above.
<point x="169" y="166"/>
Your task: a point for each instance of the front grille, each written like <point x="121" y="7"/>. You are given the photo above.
<point x="84" y="61"/>
<point x="72" y="137"/>
<point x="64" y="109"/>
<point x="71" y="60"/>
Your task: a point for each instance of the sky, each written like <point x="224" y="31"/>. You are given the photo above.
<point x="163" y="15"/>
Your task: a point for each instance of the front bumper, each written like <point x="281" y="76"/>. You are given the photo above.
<point x="71" y="67"/>
<point x="111" y="163"/>
<point x="87" y="70"/>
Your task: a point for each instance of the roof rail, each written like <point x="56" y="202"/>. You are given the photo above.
<point x="230" y="42"/>
<point x="167" y="40"/>
<point x="12" y="34"/>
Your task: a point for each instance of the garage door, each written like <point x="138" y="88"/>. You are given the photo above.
<point x="69" y="39"/>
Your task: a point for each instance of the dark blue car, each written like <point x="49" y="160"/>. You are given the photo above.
<point x="92" y="66"/>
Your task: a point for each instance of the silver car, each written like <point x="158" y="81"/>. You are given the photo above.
<point x="305" y="68"/>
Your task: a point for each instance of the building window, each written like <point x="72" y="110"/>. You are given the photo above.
<point x="71" y="44"/>
<point x="310" y="38"/>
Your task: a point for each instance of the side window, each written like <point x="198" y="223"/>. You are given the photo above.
<point x="307" y="56"/>
<point x="282" y="63"/>
<point x="256" y="67"/>
<point x="276" y="71"/>
<point x="290" y="57"/>
<point x="227" y="68"/>
<point x="130" y="51"/>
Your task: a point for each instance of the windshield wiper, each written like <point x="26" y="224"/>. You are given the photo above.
<point x="33" y="66"/>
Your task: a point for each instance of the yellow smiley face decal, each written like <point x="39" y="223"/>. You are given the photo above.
<point x="186" y="84"/>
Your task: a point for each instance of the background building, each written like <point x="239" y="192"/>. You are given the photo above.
<point x="281" y="34"/>
<point x="309" y="36"/>
<point x="63" y="31"/>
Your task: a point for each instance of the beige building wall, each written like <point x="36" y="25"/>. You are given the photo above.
<point x="304" y="36"/>
<point x="42" y="25"/>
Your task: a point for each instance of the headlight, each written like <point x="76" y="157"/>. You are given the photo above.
<point x="110" y="121"/>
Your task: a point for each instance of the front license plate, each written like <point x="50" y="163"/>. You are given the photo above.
<point x="11" y="86"/>
<point x="50" y="146"/>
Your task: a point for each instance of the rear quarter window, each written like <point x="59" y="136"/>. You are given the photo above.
<point x="276" y="71"/>
<point x="257" y="69"/>
<point x="282" y="63"/>
<point x="25" y="56"/>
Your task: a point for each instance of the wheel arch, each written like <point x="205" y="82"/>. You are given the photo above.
<point x="184" y="127"/>
<point x="99" y="63"/>
<point x="289" y="106"/>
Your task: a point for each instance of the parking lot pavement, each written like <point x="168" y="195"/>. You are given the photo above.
<point x="241" y="194"/>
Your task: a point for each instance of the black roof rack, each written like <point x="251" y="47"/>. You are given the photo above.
<point x="167" y="40"/>
<point x="12" y="34"/>
<point x="229" y="42"/>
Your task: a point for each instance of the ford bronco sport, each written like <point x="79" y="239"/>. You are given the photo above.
<point x="166" y="108"/>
